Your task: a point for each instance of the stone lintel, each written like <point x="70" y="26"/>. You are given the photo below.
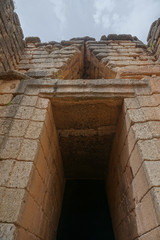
<point x="85" y="88"/>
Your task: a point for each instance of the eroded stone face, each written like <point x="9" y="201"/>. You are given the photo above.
<point x="86" y="130"/>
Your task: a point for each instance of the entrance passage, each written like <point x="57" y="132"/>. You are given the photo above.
<point x="85" y="214"/>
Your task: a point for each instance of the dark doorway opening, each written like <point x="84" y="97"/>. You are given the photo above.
<point x="85" y="213"/>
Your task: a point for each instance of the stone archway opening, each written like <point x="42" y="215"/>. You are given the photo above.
<point x="86" y="128"/>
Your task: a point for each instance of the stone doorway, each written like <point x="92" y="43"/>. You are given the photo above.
<point x="99" y="121"/>
<point x="85" y="214"/>
<point x="86" y="129"/>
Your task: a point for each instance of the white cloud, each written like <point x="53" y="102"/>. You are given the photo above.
<point x="63" y="19"/>
<point x="100" y="6"/>
<point x="58" y="8"/>
<point x="106" y="22"/>
<point x="123" y="16"/>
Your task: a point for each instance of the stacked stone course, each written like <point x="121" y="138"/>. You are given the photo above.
<point x="133" y="171"/>
<point x="52" y="60"/>
<point x="154" y="38"/>
<point x="11" y="36"/>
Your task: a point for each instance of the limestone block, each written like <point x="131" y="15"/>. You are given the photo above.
<point x="135" y="160"/>
<point x="124" y="63"/>
<point x="26" y="57"/>
<point x="39" y="73"/>
<point x="8" y="231"/>
<point x="37" y="188"/>
<point x="147" y="130"/>
<point x="25" y="235"/>
<point x="152" y="171"/>
<point x="40" y="52"/>
<point x="155" y="85"/>
<point x="9" y="149"/>
<point x="42" y="103"/>
<point x="151" y="113"/>
<point x="44" y="228"/>
<point x="29" y="150"/>
<point x="45" y="143"/>
<point x="137" y="115"/>
<point x="123" y="133"/>
<point x="142" y="131"/>
<point x="11" y="204"/>
<point x="24" y="112"/>
<point x="1" y="140"/>
<point x="149" y="149"/>
<point x="21" y="174"/>
<point x="149" y="101"/>
<point x="32" y="216"/>
<point x="25" y="61"/>
<point x="18" y="128"/>
<point x="116" y="58"/>
<point x="5" y="125"/>
<point x="36" y="56"/>
<point x="39" y="115"/>
<point x="13" y="76"/>
<point x="141" y="183"/>
<point x="124" y="157"/>
<point x="49" y="60"/>
<point x="130" y="103"/>
<point x="154" y="128"/>
<point x="41" y="165"/>
<point x="29" y="100"/>
<point x="32" y="40"/>
<point x="146" y="215"/>
<point x="140" y="70"/>
<point x="8" y="111"/>
<point x="34" y="130"/>
<point x="5" y="99"/>
<point x="152" y="235"/>
<point x="103" y="50"/>
<point x="155" y="191"/>
<point x="5" y="171"/>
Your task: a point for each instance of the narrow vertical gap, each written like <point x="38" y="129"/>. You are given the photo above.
<point x="85" y="213"/>
<point x="85" y="75"/>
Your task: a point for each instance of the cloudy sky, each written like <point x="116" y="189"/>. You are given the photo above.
<point x="63" y="19"/>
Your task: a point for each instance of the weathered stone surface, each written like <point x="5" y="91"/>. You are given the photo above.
<point x="12" y="44"/>
<point x="8" y="231"/>
<point x="32" y="40"/>
<point x="5" y="99"/>
<point x="28" y="150"/>
<point x="103" y="38"/>
<point x="24" y="112"/>
<point x="11" y="204"/>
<point x="120" y="37"/>
<point x="5" y="171"/>
<point x="153" y="38"/>
<point x="12" y="75"/>
<point x="152" y="235"/>
<point x="18" y="128"/>
<point x="10" y="149"/>
<point x="83" y="38"/>
<point x="20" y="176"/>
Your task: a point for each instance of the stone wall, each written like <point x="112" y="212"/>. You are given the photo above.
<point x="31" y="172"/>
<point x="88" y="59"/>
<point x="54" y="60"/>
<point x="133" y="183"/>
<point x="154" y="38"/>
<point x="11" y="36"/>
<point x="120" y="59"/>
